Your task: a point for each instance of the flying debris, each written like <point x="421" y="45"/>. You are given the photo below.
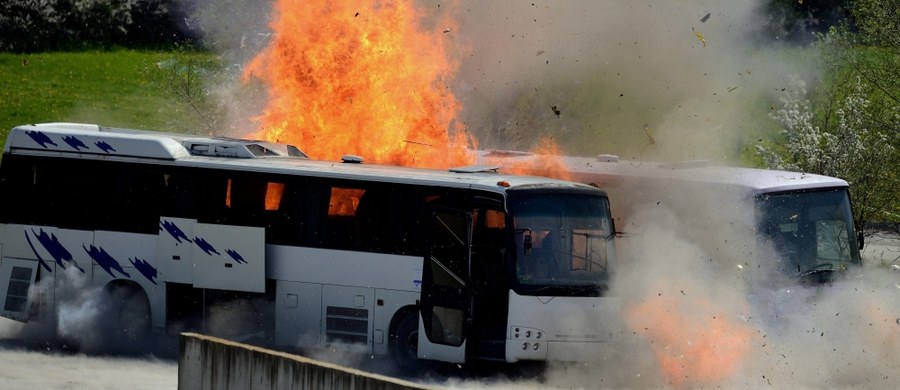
<point x="555" y="110"/>
<point x="699" y="36"/>
<point x="705" y="18"/>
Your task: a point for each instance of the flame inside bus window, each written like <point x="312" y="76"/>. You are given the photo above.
<point x="344" y="201"/>
<point x="273" y="195"/>
<point x="494" y="219"/>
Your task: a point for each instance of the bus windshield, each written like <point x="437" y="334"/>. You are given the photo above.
<point x="564" y="243"/>
<point x="811" y="231"/>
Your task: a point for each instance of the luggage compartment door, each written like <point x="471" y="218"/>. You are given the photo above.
<point x="229" y="257"/>
<point x="17" y="276"/>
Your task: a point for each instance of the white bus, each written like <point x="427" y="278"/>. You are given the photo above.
<point x="305" y="253"/>
<point x="797" y="227"/>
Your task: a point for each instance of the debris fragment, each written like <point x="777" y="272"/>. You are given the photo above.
<point x="446" y="30"/>
<point x="539" y="52"/>
<point x="704" y="18"/>
<point x="555" y="110"/>
<point x="732" y="89"/>
<point x="699" y="36"/>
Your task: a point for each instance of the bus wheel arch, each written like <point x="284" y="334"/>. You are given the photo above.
<point x="129" y="310"/>
<point x="403" y="339"/>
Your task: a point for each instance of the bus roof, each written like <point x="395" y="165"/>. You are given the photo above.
<point x="607" y="170"/>
<point x="94" y="142"/>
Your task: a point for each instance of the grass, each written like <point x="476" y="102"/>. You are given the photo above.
<point x="111" y="88"/>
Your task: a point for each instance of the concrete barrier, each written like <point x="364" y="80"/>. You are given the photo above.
<point x="212" y="363"/>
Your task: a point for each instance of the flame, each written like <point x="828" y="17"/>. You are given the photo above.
<point x="884" y="331"/>
<point x="273" y="195"/>
<point x="368" y="78"/>
<point x="546" y="162"/>
<point x="344" y="201"/>
<point x="694" y="342"/>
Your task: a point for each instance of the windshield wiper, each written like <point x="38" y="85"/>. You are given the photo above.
<point x="575" y="290"/>
<point x="599" y="288"/>
<point x="818" y="268"/>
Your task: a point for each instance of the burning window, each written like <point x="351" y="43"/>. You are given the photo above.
<point x="344" y="201"/>
<point x="252" y="195"/>
<point x="273" y="195"/>
<point x="494" y="219"/>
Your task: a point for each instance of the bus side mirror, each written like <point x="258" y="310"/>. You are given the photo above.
<point x="861" y="239"/>
<point x="526" y="245"/>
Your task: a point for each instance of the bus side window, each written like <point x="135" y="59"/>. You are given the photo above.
<point x="245" y="199"/>
<point x="488" y="239"/>
<point x="18" y="193"/>
<point x="283" y="213"/>
<point x="209" y="200"/>
<point x="340" y="226"/>
<point x="88" y="187"/>
<point x="136" y="198"/>
<point x="390" y="220"/>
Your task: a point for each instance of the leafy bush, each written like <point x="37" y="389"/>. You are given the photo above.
<point x="43" y="25"/>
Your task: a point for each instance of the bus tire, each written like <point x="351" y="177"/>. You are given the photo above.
<point x="405" y="343"/>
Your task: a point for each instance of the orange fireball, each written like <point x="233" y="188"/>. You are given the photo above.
<point x="694" y="342"/>
<point x="367" y="78"/>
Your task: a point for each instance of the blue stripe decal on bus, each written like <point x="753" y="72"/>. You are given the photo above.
<point x="105" y="146"/>
<point x="205" y="246"/>
<point x="75" y="143"/>
<point x="40" y="260"/>
<point x="105" y="261"/>
<point x="236" y="256"/>
<point x="175" y="231"/>
<point x="144" y="268"/>
<point x="55" y="248"/>
<point x="41" y="138"/>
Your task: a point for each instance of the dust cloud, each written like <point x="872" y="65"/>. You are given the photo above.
<point x="80" y="318"/>
<point x="652" y="80"/>
<point x="645" y="80"/>
<point x="715" y="314"/>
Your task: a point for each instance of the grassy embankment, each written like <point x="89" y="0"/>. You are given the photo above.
<point x="111" y="88"/>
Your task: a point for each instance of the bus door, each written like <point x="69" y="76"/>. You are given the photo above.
<point x="445" y="304"/>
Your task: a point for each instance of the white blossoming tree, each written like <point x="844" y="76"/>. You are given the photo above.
<point x="850" y="127"/>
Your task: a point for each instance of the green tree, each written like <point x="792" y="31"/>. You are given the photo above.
<point x="850" y="127"/>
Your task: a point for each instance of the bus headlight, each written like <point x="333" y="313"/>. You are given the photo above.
<point x="521" y="332"/>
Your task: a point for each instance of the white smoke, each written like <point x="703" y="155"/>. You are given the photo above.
<point x="79" y="317"/>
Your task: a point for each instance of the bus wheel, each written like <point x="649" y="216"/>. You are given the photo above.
<point x="131" y="311"/>
<point x="405" y="343"/>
